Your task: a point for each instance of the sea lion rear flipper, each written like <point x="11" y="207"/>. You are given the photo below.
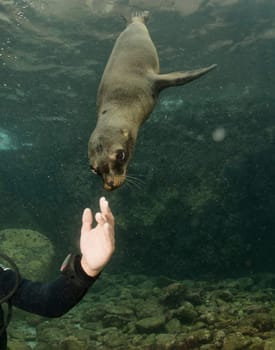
<point x="137" y="17"/>
<point x="164" y="81"/>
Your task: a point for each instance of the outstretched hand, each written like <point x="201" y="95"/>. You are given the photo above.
<point x="97" y="244"/>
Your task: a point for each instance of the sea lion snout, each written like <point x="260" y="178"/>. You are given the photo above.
<point x="111" y="167"/>
<point x="111" y="182"/>
<point x="109" y="153"/>
<point x="112" y="178"/>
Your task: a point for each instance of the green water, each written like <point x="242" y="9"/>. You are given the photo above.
<point x="205" y="160"/>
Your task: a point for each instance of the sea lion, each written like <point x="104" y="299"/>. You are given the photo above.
<point x="126" y="96"/>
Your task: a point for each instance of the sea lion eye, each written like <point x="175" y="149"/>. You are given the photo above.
<point x="121" y="155"/>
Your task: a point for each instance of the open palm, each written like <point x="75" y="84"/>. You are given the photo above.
<point x="97" y="244"/>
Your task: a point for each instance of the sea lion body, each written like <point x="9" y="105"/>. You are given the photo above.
<point x="127" y="94"/>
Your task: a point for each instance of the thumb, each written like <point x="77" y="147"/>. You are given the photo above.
<point x="87" y="220"/>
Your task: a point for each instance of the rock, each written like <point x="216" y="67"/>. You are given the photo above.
<point x="208" y="347"/>
<point x="269" y="344"/>
<point x="117" y="316"/>
<point x="144" y="341"/>
<point x="44" y="346"/>
<point x="165" y="341"/>
<point x="162" y="281"/>
<point x="194" y="296"/>
<point x="246" y="283"/>
<point x="257" y="344"/>
<point x="209" y="317"/>
<point x="263" y="322"/>
<point x="186" y="312"/>
<point x="246" y="329"/>
<point x="219" y="338"/>
<point x="224" y="295"/>
<point x="114" y="339"/>
<point x="173" y="326"/>
<point x="16" y="345"/>
<point x="236" y="341"/>
<point x="114" y="320"/>
<point x="266" y="280"/>
<point x="250" y="309"/>
<point x="151" y="324"/>
<point x="198" y="338"/>
<point x="149" y="307"/>
<point x="198" y="325"/>
<point x="55" y="334"/>
<point x="103" y="321"/>
<point x="173" y="294"/>
<point x="32" y="252"/>
<point x="72" y="343"/>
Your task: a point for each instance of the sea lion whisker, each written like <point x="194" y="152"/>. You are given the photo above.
<point x="134" y="183"/>
<point x="133" y="176"/>
<point x="129" y="184"/>
<point x="136" y="179"/>
<point x="137" y="175"/>
<point x="140" y="183"/>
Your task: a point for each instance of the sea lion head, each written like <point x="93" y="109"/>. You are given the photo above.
<point x="109" y="152"/>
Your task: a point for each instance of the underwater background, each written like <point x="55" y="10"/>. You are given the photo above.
<point x="203" y="205"/>
<point x="205" y="202"/>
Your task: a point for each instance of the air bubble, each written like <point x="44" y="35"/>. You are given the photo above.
<point x="219" y="134"/>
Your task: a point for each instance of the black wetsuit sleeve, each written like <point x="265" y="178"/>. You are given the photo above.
<point x="50" y="300"/>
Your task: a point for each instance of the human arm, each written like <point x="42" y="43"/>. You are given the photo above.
<point x="49" y="300"/>
<point x="57" y="297"/>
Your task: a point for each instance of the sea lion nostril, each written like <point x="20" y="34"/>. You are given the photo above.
<point x="108" y="187"/>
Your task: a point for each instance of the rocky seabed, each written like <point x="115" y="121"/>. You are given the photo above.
<point x="136" y="312"/>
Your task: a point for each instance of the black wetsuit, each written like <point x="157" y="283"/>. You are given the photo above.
<point x="50" y="300"/>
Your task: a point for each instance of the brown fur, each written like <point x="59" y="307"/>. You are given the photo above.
<point x="127" y="94"/>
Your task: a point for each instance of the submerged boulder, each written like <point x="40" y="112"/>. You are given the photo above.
<point x="31" y="251"/>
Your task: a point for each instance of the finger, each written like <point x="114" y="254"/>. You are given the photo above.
<point x="87" y="220"/>
<point x="103" y="204"/>
<point x="105" y="209"/>
<point x="100" y="219"/>
<point x="109" y="231"/>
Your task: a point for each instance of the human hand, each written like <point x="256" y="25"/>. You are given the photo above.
<point x="97" y="244"/>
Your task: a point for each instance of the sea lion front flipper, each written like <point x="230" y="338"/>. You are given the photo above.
<point x="163" y="81"/>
